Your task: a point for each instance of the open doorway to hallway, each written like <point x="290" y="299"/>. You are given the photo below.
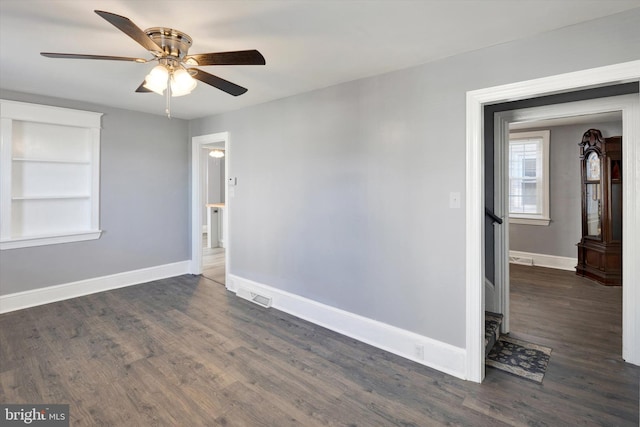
<point x="213" y="167"/>
<point x="211" y="197"/>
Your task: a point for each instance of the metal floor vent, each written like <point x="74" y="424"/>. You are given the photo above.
<point x="521" y="260"/>
<point x="261" y="300"/>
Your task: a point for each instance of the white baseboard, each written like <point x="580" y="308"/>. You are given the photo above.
<point x="26" y="299"/>
<point x="437" y="355"/>
<point x="542" y="260"/>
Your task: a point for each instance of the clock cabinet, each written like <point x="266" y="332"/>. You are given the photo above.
<point x="600" y="248"/>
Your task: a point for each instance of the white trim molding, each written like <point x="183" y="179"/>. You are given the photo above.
<point x="435" y="354"/>
<point x="26" y="242"/>
<point x="543" y="260"/>
<point x="32" y="298"/>
<point x="474" y="267"/>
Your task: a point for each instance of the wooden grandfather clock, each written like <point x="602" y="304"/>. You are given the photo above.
<point x="600" y="249"/>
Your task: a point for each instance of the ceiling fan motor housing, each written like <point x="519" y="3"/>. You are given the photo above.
<point x="174" y="43"/>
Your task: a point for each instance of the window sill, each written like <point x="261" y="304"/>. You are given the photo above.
<point x="26" y="242"/>
<point x="529" y="220"/>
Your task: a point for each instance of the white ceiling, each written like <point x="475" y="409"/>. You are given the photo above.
<point x="307" y="44"/>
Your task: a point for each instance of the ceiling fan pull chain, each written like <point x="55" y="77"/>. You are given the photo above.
<point x="168" y="102"/>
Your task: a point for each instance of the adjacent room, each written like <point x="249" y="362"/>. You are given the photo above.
<point x="358" y="213"/>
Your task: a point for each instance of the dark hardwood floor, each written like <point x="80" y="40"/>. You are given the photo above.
<point x="185" y="352"/>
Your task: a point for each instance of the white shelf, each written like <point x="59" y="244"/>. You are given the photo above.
<point x="49" y="175"/>
<point x="30" y="241"/>
<point x="72" y="162"/>
<point x="52" y="197"/>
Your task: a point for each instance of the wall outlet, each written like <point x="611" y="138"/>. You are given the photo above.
<point x="419" y="351"/>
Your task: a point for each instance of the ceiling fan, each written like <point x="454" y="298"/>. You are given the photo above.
<point x="176" y="70"/>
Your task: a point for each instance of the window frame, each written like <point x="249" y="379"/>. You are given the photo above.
<point x="542" y="218"/>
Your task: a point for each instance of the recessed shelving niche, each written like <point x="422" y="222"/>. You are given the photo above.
<point x="49" y="182"/>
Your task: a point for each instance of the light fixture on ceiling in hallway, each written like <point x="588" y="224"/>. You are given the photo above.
<point x="217" y="154"/>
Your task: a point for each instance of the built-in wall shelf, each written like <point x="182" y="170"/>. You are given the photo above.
<point x="61" y="197"/>
<point x="49" y="175"/>
<point x="73" y="162"/>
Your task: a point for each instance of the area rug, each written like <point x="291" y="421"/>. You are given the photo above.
<point x="520" y="358"/>
<point x="492" y="323"/>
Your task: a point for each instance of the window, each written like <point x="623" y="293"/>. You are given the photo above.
<point x="49" y="176"/>
<point x="529" y="178"/>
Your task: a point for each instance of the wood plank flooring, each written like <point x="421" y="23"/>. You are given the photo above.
<point x="185" y="352"/>
<point x="213" y="262"/>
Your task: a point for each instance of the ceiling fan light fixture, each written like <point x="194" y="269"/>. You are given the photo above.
<point x="156" y="80"/>
<point x="216" y="154"/>
<point x="182" y="83"/>
<point x="170" y="48"/>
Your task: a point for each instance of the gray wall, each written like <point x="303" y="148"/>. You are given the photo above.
<point x="343" y="193"/>
<point x="564" y="230"/>
<point x="144" y="204"/>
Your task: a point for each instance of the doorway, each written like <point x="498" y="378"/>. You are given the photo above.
<point x="214" y="197"/>
<point x="547" y="303"/>
<point x="476" y="100"/>
<point x="581" y="112"/>
<point x="210" y="207"/>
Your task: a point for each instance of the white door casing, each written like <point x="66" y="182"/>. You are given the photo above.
<point x="474" y="278"/>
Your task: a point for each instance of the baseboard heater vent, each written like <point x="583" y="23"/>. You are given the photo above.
<point x="261" y="300"/>
<point x="520" y="260"/>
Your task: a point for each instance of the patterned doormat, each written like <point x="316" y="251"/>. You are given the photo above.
<point x="520" y="358"/>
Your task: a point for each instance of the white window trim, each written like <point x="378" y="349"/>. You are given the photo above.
<point x="22" y="111"/>
<point x="544" y="218"/>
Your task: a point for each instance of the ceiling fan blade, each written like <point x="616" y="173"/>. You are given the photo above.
<point x="129" y="28"/>
<point x="82" y="56"/>
<point x="240" y="57"/>
<point x="217" y="82"/>
<point x="142" y="89"/>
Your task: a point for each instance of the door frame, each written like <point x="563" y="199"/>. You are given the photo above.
<point x="474" y="262"/>
<point x="197" y="143"/>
